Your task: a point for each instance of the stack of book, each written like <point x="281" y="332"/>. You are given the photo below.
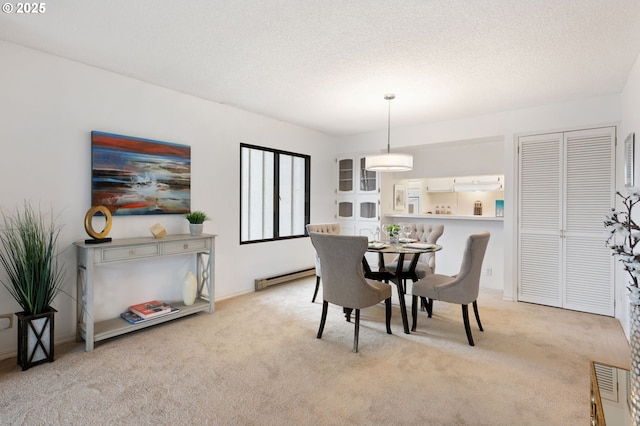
<point x="147" y="311"/>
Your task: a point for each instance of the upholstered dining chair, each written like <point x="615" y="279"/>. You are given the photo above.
<point x="325" y="228"/>
<point x="343" y="281"/>
<point x="426" y="233"/>
<point x="461" y="288"/>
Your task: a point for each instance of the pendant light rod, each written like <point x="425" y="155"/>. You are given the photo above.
<point x="389" y="97"/>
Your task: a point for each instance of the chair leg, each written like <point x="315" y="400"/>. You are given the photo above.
<point x="347" y="313"/>
<point x="356" y="331"/>
<point x="467" y="327"/>
<point x="429" y="304"/>
<point x="323" y="319"/>
<point x="475" y="310"/>
<point x="414" y="312"/>
<point x="423" y="304"/>
<point x="387" y="305"/>
<point x="315" y="293"/>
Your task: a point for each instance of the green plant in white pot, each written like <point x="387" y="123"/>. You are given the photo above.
<point x="34" y="278"/>
<point x="196" y="220"/>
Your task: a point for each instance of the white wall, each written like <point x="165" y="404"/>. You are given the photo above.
<point x="475" y="157"/>
<point x="506" y="126"/>
<point x="48" y="107"/>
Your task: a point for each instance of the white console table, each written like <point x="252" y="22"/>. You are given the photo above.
<point x="131" y="249"/>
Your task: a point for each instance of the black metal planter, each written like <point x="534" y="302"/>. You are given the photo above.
<point x="35" y="338"/>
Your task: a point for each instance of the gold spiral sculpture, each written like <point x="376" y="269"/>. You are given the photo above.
<point x="97" y="237"/>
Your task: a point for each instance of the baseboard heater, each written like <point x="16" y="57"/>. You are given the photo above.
<point x="263" y="283"/>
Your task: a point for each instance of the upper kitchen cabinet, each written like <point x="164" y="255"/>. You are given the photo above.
<point x="478" y="183"/>
<point x="439" y="184"/>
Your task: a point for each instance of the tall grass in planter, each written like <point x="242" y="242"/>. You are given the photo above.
<point x="196" y="221"/>
<point x="34" y="278"/>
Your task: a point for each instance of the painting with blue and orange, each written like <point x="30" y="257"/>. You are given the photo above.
<point x="135" y="176"/>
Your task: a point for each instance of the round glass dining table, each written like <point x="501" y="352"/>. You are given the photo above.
<point x="404" y="251"/>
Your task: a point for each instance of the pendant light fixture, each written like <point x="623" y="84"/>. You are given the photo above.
<point x="389" y="162"/>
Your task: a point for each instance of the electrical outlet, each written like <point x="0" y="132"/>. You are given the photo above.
<point x="6" y="321"/>
<point x="489" y="271"/>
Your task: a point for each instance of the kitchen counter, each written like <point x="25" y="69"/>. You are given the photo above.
<point x="443" y="216"/>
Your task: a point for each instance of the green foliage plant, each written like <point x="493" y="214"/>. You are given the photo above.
<point x="28" y="253"/>
<point x="393" y="230"/>
<point x="196" y="217"/>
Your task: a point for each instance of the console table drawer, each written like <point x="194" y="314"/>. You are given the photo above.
<point x="128" y="253"/>
<point x="185" y="247"/>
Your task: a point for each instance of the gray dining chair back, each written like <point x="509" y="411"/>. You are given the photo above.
<point x="462" y="288"/>
<point x="425" y="233"/>
<point x="324" y="228"/>
<point x="343" y="280"/>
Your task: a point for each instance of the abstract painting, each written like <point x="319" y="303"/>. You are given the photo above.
<point x="134" y="176"/>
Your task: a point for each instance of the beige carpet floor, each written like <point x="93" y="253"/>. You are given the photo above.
<point x="256" y="361"/>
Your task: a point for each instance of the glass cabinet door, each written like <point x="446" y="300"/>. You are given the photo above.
<point x="367" y="208"/>
<point x="345" y="175"/>
<point x="368" y="179"/>
<point x="345" y="209"/>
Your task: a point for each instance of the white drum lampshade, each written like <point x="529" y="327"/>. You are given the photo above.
<point x="389" y="162"/>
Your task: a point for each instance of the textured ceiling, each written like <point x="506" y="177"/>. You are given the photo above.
<point x="327" y="64"/>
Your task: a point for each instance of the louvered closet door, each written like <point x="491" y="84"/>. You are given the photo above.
<point x="540" y="208"/>
<point x="589" y="195"/>
<point x="566" y="187"/>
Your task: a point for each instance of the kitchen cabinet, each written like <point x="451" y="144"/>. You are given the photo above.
<point x="357" y="197"/>
<point x="439" y="184"/>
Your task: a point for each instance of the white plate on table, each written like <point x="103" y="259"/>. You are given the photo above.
<point x="407" y="240"/>
<point x="420" y="246"/>
<point x="377" y="245"/>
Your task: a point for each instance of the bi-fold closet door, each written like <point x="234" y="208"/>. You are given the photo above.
<point x="566" y="186"/>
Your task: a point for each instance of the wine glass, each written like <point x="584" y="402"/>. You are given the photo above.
<point x="385" y="232"/>
<point x="406" y="230"/>
<point x="375" y="231"/>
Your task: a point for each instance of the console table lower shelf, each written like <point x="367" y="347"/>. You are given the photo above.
<point x="117" y="326"/>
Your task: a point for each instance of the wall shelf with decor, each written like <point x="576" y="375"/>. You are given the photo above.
<point x="90" y="256"/>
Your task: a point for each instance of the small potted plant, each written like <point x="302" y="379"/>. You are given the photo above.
<point x="196" y="221"/>
<point x="33" y="278"/>
<point x="393" y="231"/>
